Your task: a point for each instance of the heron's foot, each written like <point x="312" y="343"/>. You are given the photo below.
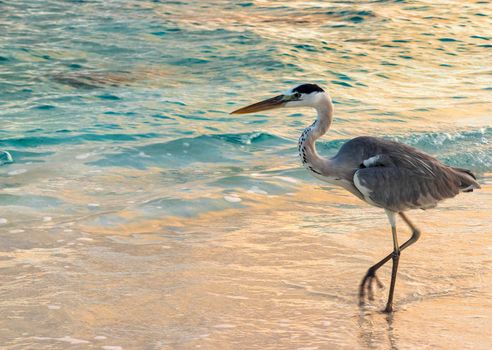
<point x="367" y="286"/>
<point x="388" y="309"/>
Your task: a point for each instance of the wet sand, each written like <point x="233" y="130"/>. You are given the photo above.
<point x="282" y="274"/>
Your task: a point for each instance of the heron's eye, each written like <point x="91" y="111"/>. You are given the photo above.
<point x="297" y="95"/>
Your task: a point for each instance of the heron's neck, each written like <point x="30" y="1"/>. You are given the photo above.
<point x="307" y="148"/>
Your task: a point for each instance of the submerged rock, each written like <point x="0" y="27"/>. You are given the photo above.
<point x="94" y="80"/>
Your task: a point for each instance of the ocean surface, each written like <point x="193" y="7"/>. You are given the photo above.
<point x="137" y="213"/>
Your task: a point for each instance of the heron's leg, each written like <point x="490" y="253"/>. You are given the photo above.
<point x="396" y="257"/>
<point x="415" y="232"/>
<point x="371" y="273"/>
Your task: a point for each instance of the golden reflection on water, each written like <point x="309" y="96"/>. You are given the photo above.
<point x="281" y="273"/>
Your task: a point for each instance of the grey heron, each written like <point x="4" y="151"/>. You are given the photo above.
<point x="383" y="173"/>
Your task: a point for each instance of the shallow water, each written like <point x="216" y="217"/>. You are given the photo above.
<point x="138" y="214"/>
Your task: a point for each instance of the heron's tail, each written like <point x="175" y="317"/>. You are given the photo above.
<point x="467" y="178"/>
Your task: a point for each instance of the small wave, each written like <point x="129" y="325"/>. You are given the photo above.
<point x="250" y="138"/>
<point x="25" y="157"/>
<point x="471" y="149"/>
<point x="183" y="151"/>
<point x="427" y="140"/>
<point x="354" y="16"/>
<point x="5" y="158"/>
<point x="37" y="141"/>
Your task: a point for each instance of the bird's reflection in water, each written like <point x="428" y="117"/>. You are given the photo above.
<point x="375" y="327"/>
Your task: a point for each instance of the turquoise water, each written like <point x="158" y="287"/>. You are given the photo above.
<point x="116" y="113"/>
<point x="92" y="89"/>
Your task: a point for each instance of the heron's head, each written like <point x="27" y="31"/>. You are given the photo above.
<point x="305" y="95"/>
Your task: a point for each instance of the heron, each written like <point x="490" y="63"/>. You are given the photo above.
<point x="386" y="174"/>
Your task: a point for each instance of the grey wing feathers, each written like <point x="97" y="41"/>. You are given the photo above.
<point x="402" y="177"/>
<point x="467" y="179"/>
<point x="400" y="189"/>
<point x="466" y="171"/>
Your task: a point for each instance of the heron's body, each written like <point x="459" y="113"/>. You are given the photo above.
<point x="383" y="173"/>
<point x="391" y="175"/>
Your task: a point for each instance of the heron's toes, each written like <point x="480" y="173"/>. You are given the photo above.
<point x="379" y="283"/>
<point x="366" y="286"/>
<point x="370" y="291"/>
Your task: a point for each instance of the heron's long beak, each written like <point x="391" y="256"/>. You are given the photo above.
<point x="271" y="103"/>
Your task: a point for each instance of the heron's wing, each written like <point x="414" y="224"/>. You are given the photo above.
<point x="396" y="176"/>
<point x="367" y="151"/>
<point x="401" y="183"/>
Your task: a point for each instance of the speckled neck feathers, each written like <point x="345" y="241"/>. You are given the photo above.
<point x="307" y="148"/>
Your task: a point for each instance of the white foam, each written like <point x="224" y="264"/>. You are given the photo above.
<point x="3" y="221"/>
<point x="67" y="339"/>
<point x="17" y="172"/>
<point x="54" y="307"/>
<point x="238" y="297"/>
<point x="287" y="179"/>
<point x="233" y="199"/>
<point x="93" y="205"/>
<point x="17" y="231"/>
<point x="47" y="218"/>
<point x="186" y="144"/>
<point x="257" y="190"/>
<point x="71" y="340"/>
<point x="112" y="347"/>
<point x="11" y="189"/>
<point x="143" y="155"/>
<point x="83" y="156"/>
<point x="87" y="239"/>
<point x="224" y="326"/>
